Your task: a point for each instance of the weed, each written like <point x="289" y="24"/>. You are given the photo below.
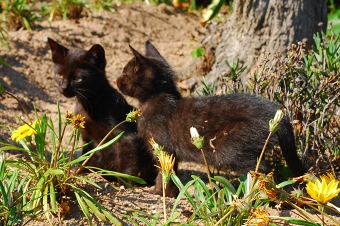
<point x="47" y="163"/>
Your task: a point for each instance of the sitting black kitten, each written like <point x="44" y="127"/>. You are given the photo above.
<point x="237" y="124"/>
<point x="81" y="73"/>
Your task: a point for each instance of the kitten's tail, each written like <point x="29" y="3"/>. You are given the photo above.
<point x="288" y="148"/>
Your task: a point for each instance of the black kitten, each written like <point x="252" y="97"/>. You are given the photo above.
<point x="236" y="124"/>
<point x="81" y="73"/>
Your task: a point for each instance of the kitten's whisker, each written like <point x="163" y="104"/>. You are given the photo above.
<point x="86" y="102"/>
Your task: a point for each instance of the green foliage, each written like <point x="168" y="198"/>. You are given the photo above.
<point x="103" y="5"/>
<point x="19" y="13"/>
<point x="207" y="90"/>
<point x="24" y="13"/>
<point x="307" y="85"/>
<point x="213" y="9"/>
<point x="13" y="204"/>
<point x="197" y="53"/>
<point x="47" y="170"/>
<point x="64" y="9"/>
<point x="334" y="15"/>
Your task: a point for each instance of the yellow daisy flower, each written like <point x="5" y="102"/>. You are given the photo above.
<point x="78" y="121"/>
<point x="323" y="190"/>
<point x="328" y="178"/>
<point x="167" y="163"/>
<point x="24" y="131"/>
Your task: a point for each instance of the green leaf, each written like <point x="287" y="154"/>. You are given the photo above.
<point x="198" y="52"/>
<point x="226" y="184"/>
<point x="45" y="204"/>
<point x="111" y="218"/>
<point x="84" y="156"/>
<point x="94" y="208"/>
<point x="56" y="171"/>
<point x="53" y="199"/>
<point x="83" y="207"/>
<point x="183" y="191"/>
<point x="285" y="183"/>
<point x="212" y="9"/>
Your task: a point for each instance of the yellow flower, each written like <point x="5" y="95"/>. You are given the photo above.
<point x="133" y="115"/>
<point x="69" y="116"/>
<point x="323" y="190"/>
<point x="328" y="178"/>
<point x="167" y="163"/>
<point x="78" y="121"/>
<point x="24" y="131"/>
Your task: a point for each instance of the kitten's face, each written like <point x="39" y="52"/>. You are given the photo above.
<point x="144" y="77"/>
<point x="76" y="70"/>
<point x="137" y="78"/>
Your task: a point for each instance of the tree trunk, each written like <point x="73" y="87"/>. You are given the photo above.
<point x="257" y="27"/>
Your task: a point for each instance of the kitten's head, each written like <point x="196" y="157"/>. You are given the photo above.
<point x="147" y="76"/>
<point x="77" y="70"/>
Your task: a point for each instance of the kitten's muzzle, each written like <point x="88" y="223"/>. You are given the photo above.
<point x="67" y="93"/>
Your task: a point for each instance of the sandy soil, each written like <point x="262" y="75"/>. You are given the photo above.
<point x="30" y="78"/>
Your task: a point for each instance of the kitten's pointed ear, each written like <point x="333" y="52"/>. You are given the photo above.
<point x="152" y="52"/>
<point x="58" y="51"/>
<point x="140" y="60"/>
<point x="96" y="56"/>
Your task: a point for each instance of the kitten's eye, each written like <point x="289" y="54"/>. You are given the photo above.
<point x="59" y="76"/>
<point x="77" y="79"/>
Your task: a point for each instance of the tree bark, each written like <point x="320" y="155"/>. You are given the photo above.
<point x="257" y="27"/>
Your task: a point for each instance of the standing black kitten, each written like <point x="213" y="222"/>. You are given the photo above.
<point x="237" y="124"/>
<point x="81" y="73"/>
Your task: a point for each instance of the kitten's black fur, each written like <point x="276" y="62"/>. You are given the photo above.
<point x="237" y="123"/>
<point x="81" y="73"/>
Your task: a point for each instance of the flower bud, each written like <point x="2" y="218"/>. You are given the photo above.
<point x="133" y="115"/>
<point x="274" y="123"/>
<point x="196" y="139"/>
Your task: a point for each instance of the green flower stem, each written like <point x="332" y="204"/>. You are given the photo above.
<point x="224" y="217"/>
<point x="208" y="173"/>
<point x="22" y="107"/>
<point x="101" y="142"/>
<point x="71" y="155"/>
<point x="164" y="204"/>
<point x="262" y="153"/>
<point x="260" y="159"/>
<point x="58" y="148"/>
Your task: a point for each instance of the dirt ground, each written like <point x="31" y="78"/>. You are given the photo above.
<point x="30" y="78"/>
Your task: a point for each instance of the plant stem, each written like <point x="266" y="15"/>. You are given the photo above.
<point x="22" y="107"/>
<point x="224" y="217"/>
<point x="260" y="159"/>
<point x="58" y="148"/>
<point x="209" y="176"/>
<point x="71" y="155"/>
<point x="101" y="142"/>
<point x="164" y="205"/>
